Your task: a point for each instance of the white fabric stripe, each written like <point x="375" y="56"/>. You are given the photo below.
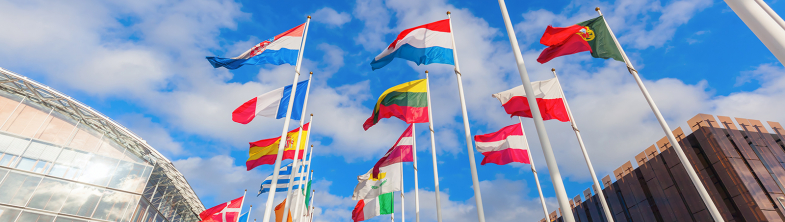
<point x="288" y="42"/>
<point x="515" y="142"/>
<point x="421" y="38"/>
<point x="267" y="104"/>
<point x="405" y="141"/>
<point x="371" y="208"/>
<point x="546" y="89"/>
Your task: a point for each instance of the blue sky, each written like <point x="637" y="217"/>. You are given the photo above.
<point x="142" y="63"/>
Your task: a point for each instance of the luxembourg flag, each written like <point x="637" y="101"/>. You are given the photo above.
<point x="425" y="44"/>
<point x="503" y="147"/>
<point x="549" y="98"/>
<point x="278" y="50"/>
<point x="272" y="104"/>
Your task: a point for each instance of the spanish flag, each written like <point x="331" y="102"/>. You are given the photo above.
<point x="265" y="151"/>
<point x="407" y="101"/>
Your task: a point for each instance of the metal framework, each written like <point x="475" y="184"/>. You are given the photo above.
<point x="44" y="95"/>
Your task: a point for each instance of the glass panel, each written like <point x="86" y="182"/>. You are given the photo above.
<point x="7" y="159"/>
<point x="110" y="148"/>
<point x="57" y="129"/>
<point x="8" y="103"/>
<point x="29" y="119"/>
<point x="131" y="208"/>
<point x="5" y="140"/>
<point x="147" y="170"/>
<point x="86" y="139"/>
<point x="159" y="218"/>
<point x="68" y="219"/>
<point x="8" y="214"/>
<point x="50" y="195"/>
<point x="17" y="188"/>
<point x="99" y="170"/>
<point x="112" y="205"/>
<point x="151" y="213"/>
<point x="128" y="176"/>
<point x="17" y="146"/>
<point x="58" y="170"/>
<point x="2" y="174"/>
<point x="82" y="200"/>
<point x="28" y="216"/>
<point x="26" y="164"/>
<point x="140" y="211"/>
<point x="40" y="166"/>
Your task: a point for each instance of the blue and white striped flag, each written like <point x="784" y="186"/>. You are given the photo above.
<point x="284" y="177"/>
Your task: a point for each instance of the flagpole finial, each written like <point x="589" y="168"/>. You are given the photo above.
<point x="246" y="190"/>
<point x="309" y="17"/>
<point x="553" y="69"/>
<point x="426" y="71"/>
<point x="251" y="205"/>
<point x="311" y="171"/>
<point x="311" y="73"/>
<point x="597" y="9"/>
<point x="311" y="145"/>
<point x="448" y="12"/>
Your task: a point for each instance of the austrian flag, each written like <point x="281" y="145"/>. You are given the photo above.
<point x="225" y="212"/>
<point x="503" y="147"/>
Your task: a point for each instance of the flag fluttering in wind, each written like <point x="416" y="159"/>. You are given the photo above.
<point x="272" y="104"/>
<point x="279" y="212"/>
<point x="549" y="100"/>
<point x="225" y="212"/>
<point x="285" y="176"/>
<point x="307" y="194"/>
<point x="369" y="208"/>
<point x="590" y="35"/>
<point x="504" y="146"/>
<point x="400" y="152"/>
<point x="425" y="44"/>
<point x="389" y="180"/>
<point x="282" y="48"/>
<point x="265" y="151"/>
<point x="407" y="101"/>
<point x="244" y="217"/>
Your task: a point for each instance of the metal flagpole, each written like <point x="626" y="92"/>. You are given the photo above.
<point x="550" y="159"/>
<point x="467" y="131"/>
<point x="403" y="209"/>
<point x="534" y="171"/>
<point x="679" y="152"/>
<point x="310" y="218"/>
<point x="305" y="155"/>
<point x="764" y="22"/>
<point x="295" y="167"/>
<point x="281" y="144"/>
<point x="241" y="206"/>
<point x="303" y="209"/>
<point x="597" y="188"/>
<point x="416" y="184"/>
<point x="433" y="150"/>
<point x="247" y="219"/>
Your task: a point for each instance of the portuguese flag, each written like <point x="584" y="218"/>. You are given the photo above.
<point x="590" y="35"/>
<point x="408" y="102"/>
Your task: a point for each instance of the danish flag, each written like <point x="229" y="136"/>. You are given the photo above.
<point x="225" y="212"/>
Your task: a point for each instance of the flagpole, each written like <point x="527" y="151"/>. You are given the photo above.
<point x="295" y="167"/>
<point x="534" y="171"/>
<point x="433" y="150"/>
<point x="467" y="131"/>
<point x="247" y="219"/>
<point x="597" y="188"/>
<point x="281" y="144"/>
<point x="764" y="23"/>
<point x="241" y="206"/>
<point x="416" y="183"/>
<point x="715" y="213"/>
<point x="305" y="155"/>
<point x="550" y="159"/>
<point x="299" y="207"/>
<point x="310" y="218"/>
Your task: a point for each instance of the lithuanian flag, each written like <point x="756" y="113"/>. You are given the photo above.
<point x="265" y="151"/>
<point x="408" y="102"/>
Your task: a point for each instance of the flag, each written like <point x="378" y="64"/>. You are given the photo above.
<point x="225" y="212"/>
<point x="425" y="44"/>
<point x="279" y="212"/>
<point x="284" y="178"/>
<point x="244" y="217"/>
<point x="265" y="151"/>
<point x="272" y="104"/>
<point x="594" y="32"/>
<point x="307" y="193"/>
<point x="368" y="208"/>
<point x="503" y="147"/>
<point x="549" y="99"/>
<point x="368" y="187"/>
<point x="400" y="152"/>
<point x="407" y="101"/>
<point x="282" y="48"/>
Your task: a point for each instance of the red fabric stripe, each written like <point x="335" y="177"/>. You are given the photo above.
<point x="296" y="32"/>
<point x="210" y="214"/>
<point x="357" y="213"/>
<point x="439" y="26"/>
<point x="245" y="113"/>
<point x="270" y="159"/>
<point x="550" y="108"/>
<point x="267" y="142"/>
<point x="396" y="154"/>
<point x="407" y="114"/>
<point x="573" y="44"/>
<point x="502" y="134"/>
<point x="557" y="35"/>
<point x="506" y="156"/>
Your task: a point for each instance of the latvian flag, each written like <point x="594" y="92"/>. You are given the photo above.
<point x="278" y="50"/>
<point x="503" y="147"/>
<point x="549" y="98"/>
<point x="425" y="44"/>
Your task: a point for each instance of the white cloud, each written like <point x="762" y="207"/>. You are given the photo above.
<point x="331" y="17"/>
<point x="155" y="134"/>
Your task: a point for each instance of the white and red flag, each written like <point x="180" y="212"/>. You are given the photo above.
<point x="400" y="152"/>
<point x="225" y="212"/>
<point x="549" y="98"/>
<point x="503" y="147"/>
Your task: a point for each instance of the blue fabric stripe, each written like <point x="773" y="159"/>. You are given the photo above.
<point x="421" y="56"/>
<point x="299" y="100"/>
<point x="243" y="218"/>
<point x="284" y="189"/>
<point x="275" y="57"/>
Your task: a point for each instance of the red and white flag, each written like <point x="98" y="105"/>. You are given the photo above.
<point x="225" y="212"/>
<point x="549" y="98"/>
<point x="503" y="147"/>
<point x="400" y="152"/>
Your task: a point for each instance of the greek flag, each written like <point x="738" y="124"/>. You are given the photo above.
<point x="284" y="177"/>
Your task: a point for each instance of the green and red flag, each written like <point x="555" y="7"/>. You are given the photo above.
<point x="590" y="35"/>
<point x="407" y="101"/>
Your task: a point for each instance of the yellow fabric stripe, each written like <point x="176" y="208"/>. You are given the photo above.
<point x="413" y="86"/>
<point x="258" y="152"/>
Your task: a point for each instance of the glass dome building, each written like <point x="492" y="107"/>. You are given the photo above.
<point x="62" y="161"/>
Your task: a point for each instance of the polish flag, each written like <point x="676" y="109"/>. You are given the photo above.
<point x="503" y="147"/>
<point x="225" y="212"/>
<point x="549" y="98"/>
<point x="400" y="152"/>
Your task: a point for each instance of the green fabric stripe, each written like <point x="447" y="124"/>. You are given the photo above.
<point x="386" y="203"/>
<point x="410" y="99"/>
<point x="307" y="192"/>
<point x="602" y="46"/>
